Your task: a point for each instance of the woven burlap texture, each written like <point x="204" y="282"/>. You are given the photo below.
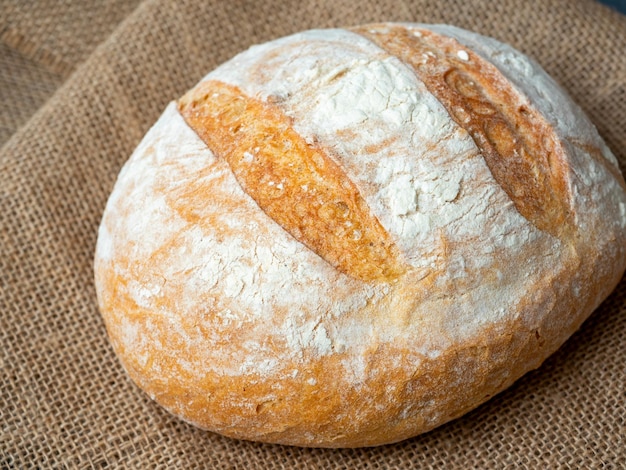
<point x="65" y="401"/>
<point x="40" y="45"/>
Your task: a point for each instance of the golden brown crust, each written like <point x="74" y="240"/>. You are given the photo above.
<point x="388" y="407"/>
<point x="226" y="320"/>
<point x="295" y="183"/>
<point x="519" y="146"/>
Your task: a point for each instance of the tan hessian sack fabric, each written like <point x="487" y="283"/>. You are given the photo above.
<point x="65" y="401"/>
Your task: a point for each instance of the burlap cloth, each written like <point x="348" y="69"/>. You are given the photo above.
<point x="65" y="400"/>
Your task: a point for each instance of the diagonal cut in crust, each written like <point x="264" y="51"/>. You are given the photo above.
<point x="294" y="182"/>
<point x="520" y="148"/>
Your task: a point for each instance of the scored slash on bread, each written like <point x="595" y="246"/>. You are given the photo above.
<point x="300" y="187"/>
<point x="279" y="169"/>
<point x="520" y="148"/>
<point x="294" y="183"/>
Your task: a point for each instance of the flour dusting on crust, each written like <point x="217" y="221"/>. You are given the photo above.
<point x="230" y="322"/>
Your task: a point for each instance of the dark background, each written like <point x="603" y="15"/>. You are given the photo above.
<point x="619" y="5"/>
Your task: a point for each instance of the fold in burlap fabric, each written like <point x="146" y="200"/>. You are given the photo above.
<point x="65" y="400"/>
<point x="40" y="45"/>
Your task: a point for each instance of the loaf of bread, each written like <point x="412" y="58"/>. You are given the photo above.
<point x="348" y="237"/>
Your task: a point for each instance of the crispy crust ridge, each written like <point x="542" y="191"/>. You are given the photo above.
<point x="520" y="148"/>
<point x="294" y="182"/>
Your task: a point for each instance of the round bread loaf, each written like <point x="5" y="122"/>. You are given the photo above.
<point x="348" y="237"/>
